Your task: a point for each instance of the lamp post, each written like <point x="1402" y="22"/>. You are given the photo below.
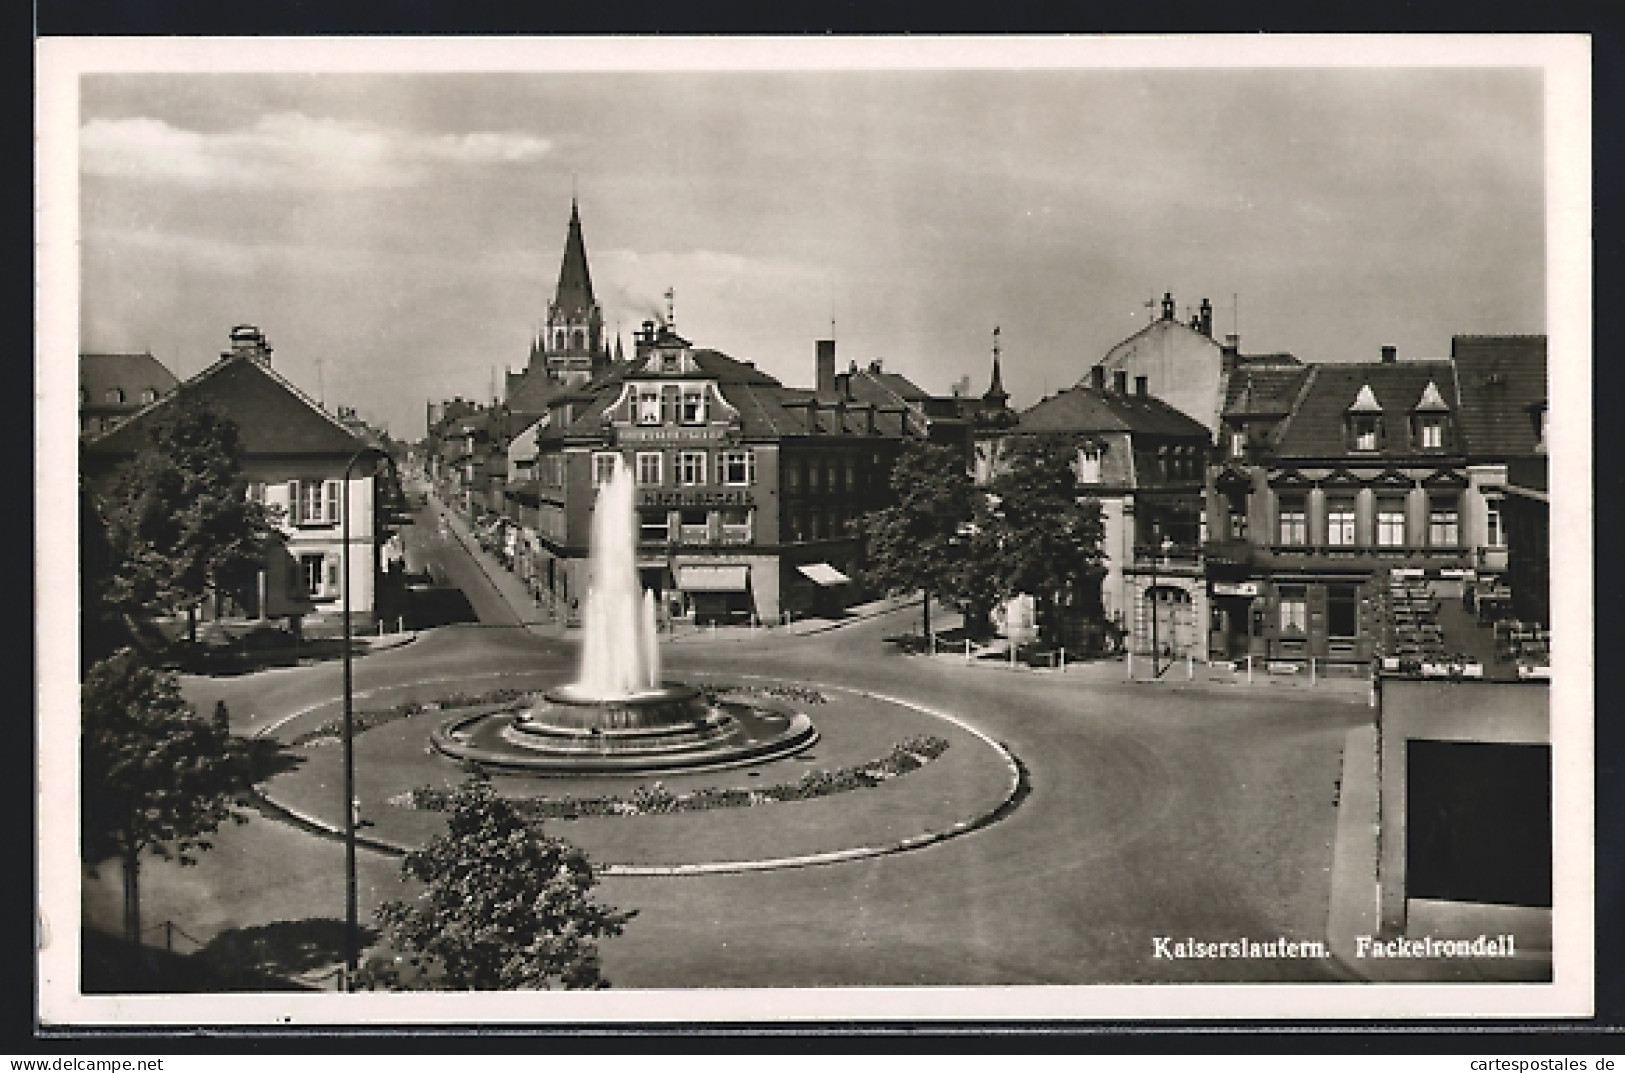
<point x="351" y="924"/>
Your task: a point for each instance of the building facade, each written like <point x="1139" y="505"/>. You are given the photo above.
<point x="114" y="387"/>
<point x="1144" y="462"/>
<point x="294" y="459"/>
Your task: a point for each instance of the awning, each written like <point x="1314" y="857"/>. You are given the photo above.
<point x="713" y="578"/>
<point x="823" y="574"/>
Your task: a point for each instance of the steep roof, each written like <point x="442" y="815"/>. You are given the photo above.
<point x="1263" y="392"/>
<point x="130" y="373"/>
<point x="574" y="295"/>
<point x="1083" y="409"/>
<point x="1501" y="377"/>
<point x="1315" y="427"/>
<point x="273" y="416"/>
<point x="530" y="391"/>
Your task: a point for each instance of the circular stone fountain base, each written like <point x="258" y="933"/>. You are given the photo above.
<point x="672" y="728"/>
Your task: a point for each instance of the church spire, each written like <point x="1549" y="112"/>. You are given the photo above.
<point x="996" y="395"/>
<point x="574" y="297"/>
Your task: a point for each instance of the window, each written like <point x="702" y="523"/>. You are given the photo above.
<point x="558" y="340"/>
<point x="1294" y="528"/>
<point x="792" y="477"/>
<point x="736" y="525"/>
<point x="815" y="476"/>
<point x="693" y="405"/>
<point x="1444" y="530"/>
<point x="149" y="396"/>
<point x="1494" y="535"/>
<point x="815" y="525"/>
<point x="696" y="525"/>
<point x="1294" y="608"/>
<point x="1432" y="433"/>
<point x="1089" y="464"/>
<point x="851" y="476"/>
<point x="648" y="406"/>
<point x="603" y="467"/>
<point x="1236" y="502"/>
<point x="314" y="574"/>
<point x="578" y="340"/>
<point x="691" y="467"/>
<point x="310" y="501"/>
<point x="1391" y="523"/>
<point x="649" y="467"/>
<point x="1238" y="443"/>
<point x="1342" y="611"/>
<point x="1340" y="522"/>
<point x="738" y="467"/>
<point x="256" y="491"/>
<point x="654" y="526"/>
<point x="1365" y="433"/>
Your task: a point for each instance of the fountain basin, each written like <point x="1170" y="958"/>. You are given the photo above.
<point x="665" y="730"/>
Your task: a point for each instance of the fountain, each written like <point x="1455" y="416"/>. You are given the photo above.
<point x="620" y="716"/>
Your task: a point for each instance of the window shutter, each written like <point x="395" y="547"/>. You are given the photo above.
<point x="332" y="566"/>
<point x="330" y="501"/>
<point x="750" y="467"/>
<point x="294" y="503"/>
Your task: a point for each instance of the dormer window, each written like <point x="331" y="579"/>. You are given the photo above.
<point x="1364" y="419"/>
<point x="1089" y="464"/>
<point x="693" y="412"/>
<point x="648" y="406"/>
<point x="115" y="395"/>
<point x="669" y="363"/>
<point x="1238" y="443"/>
<point x="1430" y="416"/>
<point x="1431" y="433"/>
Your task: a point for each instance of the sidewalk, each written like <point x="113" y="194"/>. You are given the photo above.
<point x="528" y="611"/>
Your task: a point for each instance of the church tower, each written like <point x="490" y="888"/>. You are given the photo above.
<point x="571" y="345"/>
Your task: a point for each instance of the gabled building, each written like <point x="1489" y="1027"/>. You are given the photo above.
<point x="746" y="487"/>
<point x="294" y="459"/>
<point x="114" y="387"/>
<point x="1365" y="472"/>
<point x="1144" y="461"/>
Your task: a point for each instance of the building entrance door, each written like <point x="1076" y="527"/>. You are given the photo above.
<point x="1171" y="629"/>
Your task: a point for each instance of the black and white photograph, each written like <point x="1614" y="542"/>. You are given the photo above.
<point x="634" y="529"/>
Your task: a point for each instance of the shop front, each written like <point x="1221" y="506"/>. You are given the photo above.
<point x="1237" y="620"/>
<point x="716" y="593"/>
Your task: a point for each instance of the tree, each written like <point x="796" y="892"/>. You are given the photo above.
<point x="1040" y="537"/>
<point x="155" y="776"/>
<point x="504" y="906"/>
<point x="178" y="520"/>
<point x="918" y="543"/>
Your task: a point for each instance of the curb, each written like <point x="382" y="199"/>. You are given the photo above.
<point x="1014" y="791"/>
<point x="1352" y="906"/>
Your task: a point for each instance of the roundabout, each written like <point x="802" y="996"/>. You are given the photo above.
<point x="828" y="800"/>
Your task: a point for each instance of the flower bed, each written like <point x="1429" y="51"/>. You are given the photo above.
<point x="655" y="799"/>
<point x="331" y="730"/>
<point x="802" y="694"/>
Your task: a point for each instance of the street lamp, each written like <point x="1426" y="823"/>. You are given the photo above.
<point x="352" y="952"/>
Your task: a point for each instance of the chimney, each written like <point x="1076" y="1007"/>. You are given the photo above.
<point x="1230" y="353"/>
<point x="1206" y="315"/>
<point x="1120" y="381"/>
<point x="825" y="382"/>
<point x="1141" y="384"/>
<point x="1390" y="355"/>
<point x="874" y="365"/>
<point x="1167" y="305"/>
<point x="1097" y="378"/>
<point x="643" y="341"/>
<point x="249" y="342"/>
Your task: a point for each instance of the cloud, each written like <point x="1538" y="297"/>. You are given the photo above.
<point x="291" y="149"/>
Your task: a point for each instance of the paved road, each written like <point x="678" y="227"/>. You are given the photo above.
<point x="1153" y="812"/>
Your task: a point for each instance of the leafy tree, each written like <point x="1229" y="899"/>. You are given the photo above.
<point x="155" y="776"/>
<point x="177" y="518"/>
<point x="918" y="543"/>
<point x="1039" y="537"/>
<point x="504" y="906"/>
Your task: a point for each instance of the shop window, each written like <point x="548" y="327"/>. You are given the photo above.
<point x="1293" y="603"/>
<point x="1340" y="523"/>
<point x="1444" y="530"/>
<point x="654" y="526"/>
<point x="1494" y="533"/>
<point x="738" y="467"/>
<point x="691" y="467"/>
<point x="1342" y="611"/>
<point x="1391" y="523"/>
<point x="649" y="466"/>
<point x="1294" y="524"/>
<point x="696" y="525"/>
<point x="736" y="525"/>
<point x="603" y="467"/>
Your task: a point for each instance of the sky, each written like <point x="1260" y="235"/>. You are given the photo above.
<point x="398" y="236"/>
